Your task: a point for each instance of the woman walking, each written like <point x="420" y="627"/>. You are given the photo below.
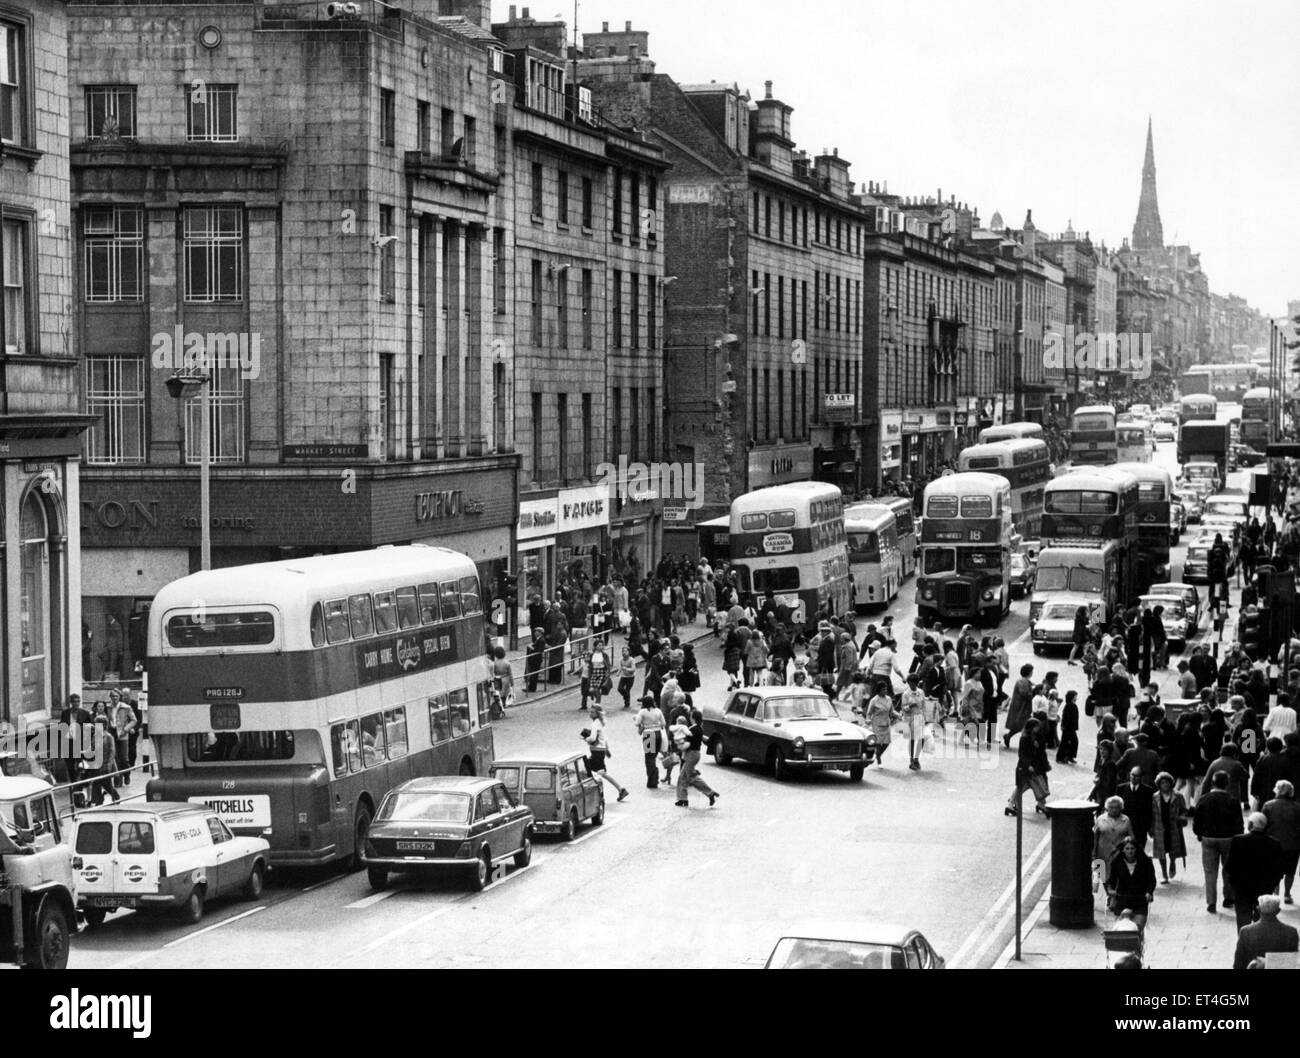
<point x="880" y="715"/>
<point x="626" y="677"/>
<point x="1168" y="818"/>
<point x="970" y="705"/>
<point x="1019" y="711"/>
<point x="912" y="707"/>
<point x="1080" y="636"/>
<point x="1283" y="815"/>
<point x="650" y="725"/>
<point x="1131" y="882"/>
<point x="1112" y="827"/>
<point x="1031" y="769"/>
<point x="755" y="659"/>
<point x="598" y="751"/>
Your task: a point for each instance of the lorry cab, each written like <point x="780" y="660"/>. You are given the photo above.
<point x="37" y="889"/>
<point x="557" y="787"/>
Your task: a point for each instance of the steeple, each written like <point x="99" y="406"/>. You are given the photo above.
<point x="1147" y="232"/>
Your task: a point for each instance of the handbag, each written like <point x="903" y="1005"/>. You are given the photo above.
<point x="671" y="760"/>
<point x="606" y="685"/>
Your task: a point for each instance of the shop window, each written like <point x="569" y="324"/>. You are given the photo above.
<point x="35" y="592"/>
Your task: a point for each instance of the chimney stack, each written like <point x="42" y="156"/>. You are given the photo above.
<point x="525" y="14"/>
<point x="513" y="10"/>
<point x="767" y="87"/>
<point x="634" y="52"/>
<point x="604" y="26"/>
<point x="627" y="27"/>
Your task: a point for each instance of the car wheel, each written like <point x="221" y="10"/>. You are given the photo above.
<point x="1037" y="649"/>
<point x="599" y="816"/>
<point x="482" y="876"/>
<point x="253" y="887"/>
<point x="49" y="947"/>
<point x="720" y="753"/>
<point x="94" y="916"/>
<point x="192" y="909"/>
<point x="777" y="764"/>
<point x="569" y="830"/>
<point x="856" y="772"/>
<point x="377" y="877"/>
<point x="525" y="854"/>
<point x="360" y="828"/>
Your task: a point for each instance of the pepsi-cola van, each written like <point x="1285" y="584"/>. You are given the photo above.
<point x="160" y="856"/>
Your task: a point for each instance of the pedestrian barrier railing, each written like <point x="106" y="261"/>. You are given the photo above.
<point x="80" y="793"/>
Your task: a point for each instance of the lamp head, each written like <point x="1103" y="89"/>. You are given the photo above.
<point x="179" y="385"/>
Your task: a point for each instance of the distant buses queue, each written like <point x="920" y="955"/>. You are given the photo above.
<point x="1092" y="435"/>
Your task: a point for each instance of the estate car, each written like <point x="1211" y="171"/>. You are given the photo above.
<point x="558" y="789"/>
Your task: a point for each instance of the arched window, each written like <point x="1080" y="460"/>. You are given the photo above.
<point x="34" y="533"/>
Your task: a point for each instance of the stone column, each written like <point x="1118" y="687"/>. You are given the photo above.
<point x="477" y="300"/>
<point x="430" y="422"/>
<point x="453" y="274"/>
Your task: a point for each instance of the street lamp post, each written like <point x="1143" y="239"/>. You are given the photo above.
<point x="181" y="387"/>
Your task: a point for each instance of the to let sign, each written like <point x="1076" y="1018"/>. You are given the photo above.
<point x="840" y="407"/>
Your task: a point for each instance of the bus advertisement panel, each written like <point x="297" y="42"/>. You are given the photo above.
<point x="875" y="565"/>
<point x="291" y="696"/>
<point x="789" y="540"/>
<point x="1092" y="435"/>
<point x="1027" y="466"/>
<point x="965" y="567"/>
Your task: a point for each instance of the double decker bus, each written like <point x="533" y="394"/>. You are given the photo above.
<point x="905" y="526"/>
<point x="875" y="563"/>
<point x="1225" y="381"/>
<point x="1092" y="434"/>
<point x="1026" y="463"/>
<point x="291" y="696"/>
<point x="1257" y="412"/>
<point x="1197" y="406"/>
<point x="1011" y="431"/>
<point x="1155" y="491"/>
<point x="789" y="539"/>
<point x="1133" y="441"/>
<point x="1089" y="508"/>
<point x="965" y="569"/>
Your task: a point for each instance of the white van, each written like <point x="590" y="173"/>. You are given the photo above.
<point x="161" y="855"/>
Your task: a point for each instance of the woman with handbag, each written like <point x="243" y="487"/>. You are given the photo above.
<point x="598" y="751"/>
<point x="1169" y="816"/>
<point x="1031" y="770"/>
<point x="912" y="707"/>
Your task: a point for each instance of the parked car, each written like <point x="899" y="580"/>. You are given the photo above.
<point x="1192" y="504"/>
<point x="786" y="729"/>
<point x="1245" y="456"/>
<point x="853" y="946"/>
<point x="160" y="856"/>
<point x="448" y="822"/>
<point x="1164" y="431"/>
<point x="557" y="787"/>
<point x="1022" y="575"/>
<point x="1190" y="597"/>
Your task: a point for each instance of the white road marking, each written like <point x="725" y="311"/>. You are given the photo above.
<point x="140" y="957"/>
<point x="705" y="866"/>
<point x="218" y="925"/>
<point x="592" y="832"/>
<point x="373" y="898"/>
<point x="773" y="821"/>
<point x="984" y="928"/>
<point x="1019" y="639"/>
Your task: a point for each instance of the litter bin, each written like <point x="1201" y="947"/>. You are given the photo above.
<point x="1070" y="906"/>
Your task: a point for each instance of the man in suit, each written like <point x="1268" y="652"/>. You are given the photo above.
<point x="1266" y="935"/>
<point x="1137" y="804"/>
<point x="1142" y="758"/>
<point x="1255" y="866"/>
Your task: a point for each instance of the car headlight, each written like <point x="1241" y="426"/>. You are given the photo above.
<point x="927" y="592"/>
<point x="1040" y="633"/>
<point x="988" y="596"/>
<point x="798" y="745"/>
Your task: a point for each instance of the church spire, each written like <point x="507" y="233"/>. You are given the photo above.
<point x="1147" y="232"/>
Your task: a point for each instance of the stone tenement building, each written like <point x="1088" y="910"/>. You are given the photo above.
<point x="764" y="317"/>
<point x="350" y="204"/>
<point x="40" y="428"/>
<point x="587" y="304"/>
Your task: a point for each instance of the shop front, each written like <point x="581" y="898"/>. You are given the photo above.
<point x="140" y="531"/>
<point x="928" y="442"/>
<point x="41" y="616"/>
<point x="563" y="541"/>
